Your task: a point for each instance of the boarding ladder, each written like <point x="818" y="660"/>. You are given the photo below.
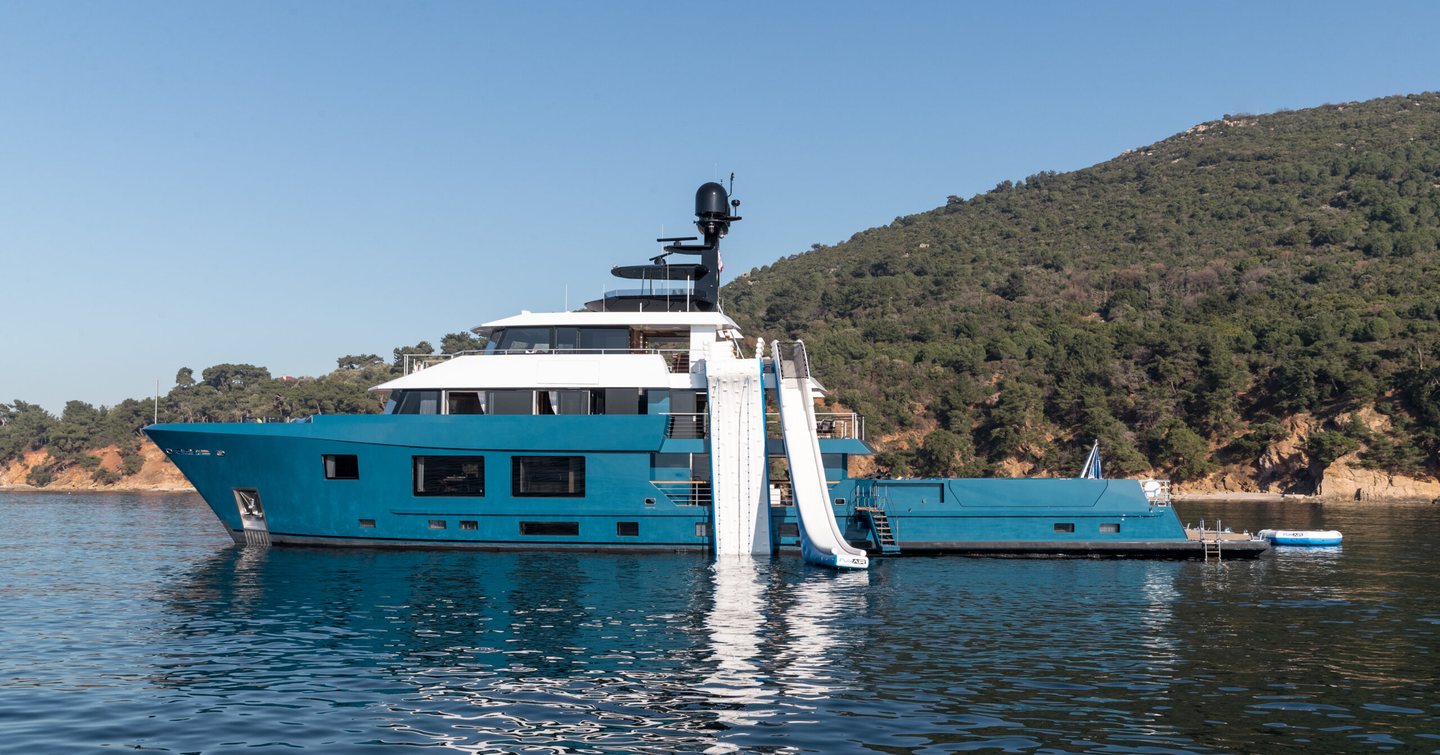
<point x="1211" y="545"/>
<point x="872" y="508"/>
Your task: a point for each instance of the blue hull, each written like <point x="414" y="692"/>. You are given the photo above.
<point x="624" y="503"/>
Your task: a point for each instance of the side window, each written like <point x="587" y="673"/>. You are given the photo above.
<point x="511" y="402"/>
<point x="450" y="475"/>
<point x="342" y="467"/>
<point x="547" y="476"/>
<point x="464" y="402"/>
<point x="419" y="402"/>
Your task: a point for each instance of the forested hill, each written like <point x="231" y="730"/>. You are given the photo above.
<point x="1256" y="297"/>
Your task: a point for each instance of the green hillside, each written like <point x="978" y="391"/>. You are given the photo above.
<point x="1185" y="303"/>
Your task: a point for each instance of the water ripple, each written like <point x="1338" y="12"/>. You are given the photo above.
<point x="170" y="640"/>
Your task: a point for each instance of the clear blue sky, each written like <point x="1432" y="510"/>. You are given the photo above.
<point x="282" y="183"/>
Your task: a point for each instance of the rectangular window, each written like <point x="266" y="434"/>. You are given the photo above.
<point x="464" y="402"/>
<point x="511" y="402"/>
<point x="562" y="402"/>
<point x="702" y="529"/>
<point x="553" y="529"/>
<point x="547" y="476"/>
<point x="449" y="475"/>
<point x="469" y="524"/>
<point x="418" y="402"/>
<point x="526" y="340"/>
<point x="367" y="524"/>
<point x="437" y="524"/>
<point x="789" y="529"/>
<point x="1064" y="526"/>
<point x="627" y="529"/>
<point x="342" y="467"/>
<point x="623" y="401"/>
<point x="1109" y="527"/>
<point x="605" y="339"/>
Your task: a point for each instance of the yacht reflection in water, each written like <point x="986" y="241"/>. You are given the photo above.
<point x="501" y="651"/>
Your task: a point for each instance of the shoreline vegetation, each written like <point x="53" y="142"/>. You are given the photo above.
<point x="1245" y="308"/>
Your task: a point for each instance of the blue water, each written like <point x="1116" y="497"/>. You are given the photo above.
<point x="130" y="623"/>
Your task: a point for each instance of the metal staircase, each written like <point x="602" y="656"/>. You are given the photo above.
<point x="880" y="530"/>
<point x="872" y="508"/>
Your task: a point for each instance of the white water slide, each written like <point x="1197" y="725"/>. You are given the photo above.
<point x="741" y="509"/>
<point x="821" y="541"/>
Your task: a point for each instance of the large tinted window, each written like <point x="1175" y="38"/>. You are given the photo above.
<point x="418" y="402"/>
<point x="511" y="402"/>
<point x="624" y="401"/>
<point x="450" y="475"/>
<point x="527" y="339"/>
<point x="563" y="402"/>
<point x="610" y="339"/>
<point x="547" y="476"/>
<point x="464" y="402"/>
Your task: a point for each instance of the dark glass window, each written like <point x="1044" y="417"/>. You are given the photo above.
<point x="550" y="528"/>
<point x="523" y="340"/>
<point x="627" y="529"/>
<point x="450" y="475"/>
<point x="469" y="524"/>
<point x="622" y="401"/>
<point x="789" y="529"/>
<point x="512" y="402"/>
<point x="547" y="476"/>
<point x="1064" y="526"/>
<point x="342" y="467"/>
<point x="367" y="524"/>
<point x="437" y="524"/>
<point x="608" y="339"/>
<point x="464" y="402"/>
<point x="418" y="402"/>
<point x="562" y="402"/>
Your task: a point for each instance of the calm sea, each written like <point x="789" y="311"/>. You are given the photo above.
<point x="129" y="623"/>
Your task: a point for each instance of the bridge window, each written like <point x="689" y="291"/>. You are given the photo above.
<point x="449" y="475"/>
<point x="547" y="476"/>
<point x="342" y="467"/>
<point x="526" y="340"/>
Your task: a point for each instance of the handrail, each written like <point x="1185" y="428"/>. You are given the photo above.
<point x="685" y="492"/>
<point x="687" y="425"/>
<point x="676" y="360"/>
<point x="848" y="425"/>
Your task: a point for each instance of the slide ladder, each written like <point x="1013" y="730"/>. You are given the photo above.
<point x="740" y="505"/>
<point x="821" y="540"/>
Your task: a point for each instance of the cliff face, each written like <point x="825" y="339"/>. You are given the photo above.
<point x="156" y="474"/>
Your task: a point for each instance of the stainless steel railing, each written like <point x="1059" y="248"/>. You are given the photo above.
<point x="676" y="360"/>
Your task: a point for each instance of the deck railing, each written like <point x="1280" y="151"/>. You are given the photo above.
<point x="687" y="425"/>
<point x="685" y="492"/>
<point x="676" y="360"/>
<point x="827" y="425"/>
